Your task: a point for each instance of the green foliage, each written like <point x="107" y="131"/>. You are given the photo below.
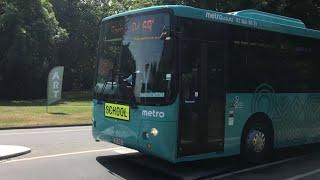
<point x="307" y="10"/>
<point x="78" y="53"/>
<point x="2" y="7"/>
<point x="29" y="33"/>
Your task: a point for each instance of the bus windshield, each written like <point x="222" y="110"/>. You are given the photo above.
<point x="135" y="60"/>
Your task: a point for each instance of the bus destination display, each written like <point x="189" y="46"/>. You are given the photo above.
<point x="140" y="26"/>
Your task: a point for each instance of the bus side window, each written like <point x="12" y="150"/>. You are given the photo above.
<point x="190" y="71"/>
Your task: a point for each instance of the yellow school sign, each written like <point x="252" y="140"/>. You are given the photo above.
<point x="117" y="111"/>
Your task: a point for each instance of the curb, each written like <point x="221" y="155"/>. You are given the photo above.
<point x="46" y="126"/>
<point x="21" y="152"/>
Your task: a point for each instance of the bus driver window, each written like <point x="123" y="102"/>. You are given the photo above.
<point x="190" y="83"/>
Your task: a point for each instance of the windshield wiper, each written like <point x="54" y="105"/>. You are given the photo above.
<point x="127" y="89"/>
<point x="165" y="34"/>
<point x="132" y="101"/>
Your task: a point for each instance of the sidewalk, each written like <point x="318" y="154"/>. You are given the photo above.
<point x="9" y="151"/>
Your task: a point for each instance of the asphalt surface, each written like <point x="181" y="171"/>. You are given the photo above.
<point x="71" y="153"/>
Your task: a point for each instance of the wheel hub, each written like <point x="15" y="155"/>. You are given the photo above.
<point x="256" y="140"/>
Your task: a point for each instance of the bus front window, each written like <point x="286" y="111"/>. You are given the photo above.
<point x="135" y="61"/>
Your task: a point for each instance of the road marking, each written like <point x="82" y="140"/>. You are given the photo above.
<point x="254" y="168"/>
<point x="299" y="176"/>
<point x="43" y="132"/>
<point x="59" y="155"/>
<point x="125" y="151"/>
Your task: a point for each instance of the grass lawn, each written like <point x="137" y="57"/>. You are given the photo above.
<point x="70" y="111"/>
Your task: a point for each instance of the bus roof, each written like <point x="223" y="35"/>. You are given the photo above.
<point x="248" y="18"/>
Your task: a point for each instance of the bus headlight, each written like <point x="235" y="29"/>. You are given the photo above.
<point x="154" y="131"/>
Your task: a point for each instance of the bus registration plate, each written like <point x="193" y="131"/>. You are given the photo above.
<point x="117" y="141"/>
<point x="117" y="111"/>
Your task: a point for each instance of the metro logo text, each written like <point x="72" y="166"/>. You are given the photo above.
<point x="153" y="113"/>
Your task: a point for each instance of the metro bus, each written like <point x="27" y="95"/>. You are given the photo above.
<point x="183" y="84"/>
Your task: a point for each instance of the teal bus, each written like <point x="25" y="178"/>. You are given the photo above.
<point x="183" y="84"/>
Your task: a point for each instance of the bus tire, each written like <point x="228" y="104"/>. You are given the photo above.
<point x="257" y="142"/>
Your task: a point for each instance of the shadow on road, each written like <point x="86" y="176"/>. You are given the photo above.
<point x="124" y="166"/>
<point x="139" y="166"/>
<point x="58" y="113"/>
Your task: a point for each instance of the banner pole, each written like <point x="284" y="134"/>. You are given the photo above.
<point x="47" y="92"/>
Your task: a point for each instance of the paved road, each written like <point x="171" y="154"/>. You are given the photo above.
<point x="71" y="153"/>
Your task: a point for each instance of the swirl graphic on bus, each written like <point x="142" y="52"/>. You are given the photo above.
<point x="263" y="100"/>
<point x="312" y="108"/>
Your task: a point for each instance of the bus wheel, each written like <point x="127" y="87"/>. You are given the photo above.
<point x="257" y="142"/>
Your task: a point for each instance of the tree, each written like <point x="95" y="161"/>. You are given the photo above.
<point x="308" y="11"/>
<point x="78" y="54"/>
<point x="29" y="33"/>
<point x="2" y="7"/>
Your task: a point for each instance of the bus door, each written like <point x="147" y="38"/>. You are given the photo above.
<point x="201" y="121"/>
<point x="215" y="96"/>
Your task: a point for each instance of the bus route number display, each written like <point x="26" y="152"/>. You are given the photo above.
<point x="135" y="26"/>
<point x="145" y="25"/>
<point x="117" y="111"/>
